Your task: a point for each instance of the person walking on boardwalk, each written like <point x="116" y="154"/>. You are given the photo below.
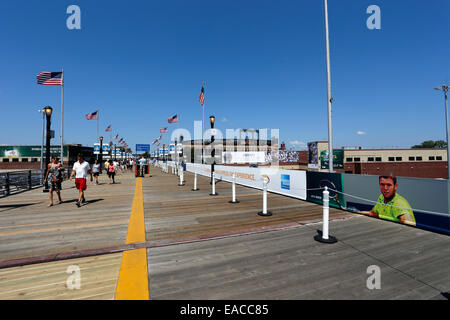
<point x="80" y="170"/>
<point x="54" y="179"/>
<point x="111" y="172"/>
<point x="107" y="171"/>
<point x="96" y="170"/>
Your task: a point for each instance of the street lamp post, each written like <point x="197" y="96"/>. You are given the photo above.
<point x="48" y="113"/>
<point x="444" y="88"/>
<point x="100" y="156"/>
<point x="213" y="151"/>
<point x="42" y="145"/>
<point x="115" y="153"/>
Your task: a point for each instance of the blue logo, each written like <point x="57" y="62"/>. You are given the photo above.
<point x="286" y="181"/>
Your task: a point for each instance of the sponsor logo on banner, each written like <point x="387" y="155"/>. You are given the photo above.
<point x="11" y="153"/>
<point x="286" y="181"/>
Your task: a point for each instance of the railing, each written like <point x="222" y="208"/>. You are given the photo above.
<point x="21" y="180"/>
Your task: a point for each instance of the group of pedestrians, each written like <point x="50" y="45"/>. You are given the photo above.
<point x="81" y="171"/>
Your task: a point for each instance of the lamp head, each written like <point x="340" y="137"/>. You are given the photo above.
<point x="211" y="120"/>
<point x="101" y="138"/>
<point x="48" y="110"/>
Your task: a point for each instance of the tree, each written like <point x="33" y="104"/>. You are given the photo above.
<point x="430" y="144"/>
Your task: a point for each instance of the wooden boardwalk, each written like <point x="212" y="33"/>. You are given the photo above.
<point x="150" y="238"/>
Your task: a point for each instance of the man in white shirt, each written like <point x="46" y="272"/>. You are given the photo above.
<point x="81" y="169"/>
<point x="142" y="163"/>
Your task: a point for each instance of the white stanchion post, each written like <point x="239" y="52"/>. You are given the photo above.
<point x="181" y="177"/>
<point x="233" y="189"/>
<point x="264" y="213"/>
<point x="323" y="236"/>
<point x="195" y="182"/>
<point x="213" y="185"/>
<point x="326" y="212"/>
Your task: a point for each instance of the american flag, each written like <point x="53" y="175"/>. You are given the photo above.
<point x="157" y="139"/>
<point x="49" y="78"/>
<point x="202" y="95"/>
<point x="109" y="128"/>
<point x="92" y="116"/>
<point x="115" y="138"/>
<point x="173" y="119"/>
<point x="163" y="130"/>
<point x="121" y="140"/>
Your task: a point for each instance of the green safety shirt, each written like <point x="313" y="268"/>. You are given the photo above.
<point x="393" y="209"/>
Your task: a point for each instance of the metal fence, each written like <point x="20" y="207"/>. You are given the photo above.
<point x="16" y="181"/>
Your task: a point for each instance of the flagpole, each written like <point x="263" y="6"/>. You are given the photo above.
<point x="98" y="116"/>
<point x="62" y="117"/>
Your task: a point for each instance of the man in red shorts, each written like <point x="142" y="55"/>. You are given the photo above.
<point x="81" y="169"/>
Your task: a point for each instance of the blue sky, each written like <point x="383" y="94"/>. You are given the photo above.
<point x="141" y="62"/>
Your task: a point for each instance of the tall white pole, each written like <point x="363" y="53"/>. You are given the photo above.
<point x="62" y="117"/>
<point x="445" y="89"/>
<point x="330" y="98"/>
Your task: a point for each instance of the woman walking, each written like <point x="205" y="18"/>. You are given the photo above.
<point x="96" y="170"/>
<point x="54" y="179"/>
<point x="111" y="172"/>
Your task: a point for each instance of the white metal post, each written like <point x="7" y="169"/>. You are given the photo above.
<point x="233" y="189"/>
<point x="326" y="212"/>
<point x="323" y="236"/>
<point x="213" y="185"/>
<point x="181" y="178"/>
<point x="195" y="182"/>
<point x="264" y="212"/>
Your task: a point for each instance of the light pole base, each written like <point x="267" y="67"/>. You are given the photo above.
<point x="267" y="214"/>
<point x="195" y="189"/>
<point x="180" y="185"/>
<point x="319" y="238"/>
<point x="214" y="194"/>
<point x="233" y="201"/>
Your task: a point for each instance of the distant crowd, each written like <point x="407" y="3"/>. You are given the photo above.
<point x="282" y="156"/>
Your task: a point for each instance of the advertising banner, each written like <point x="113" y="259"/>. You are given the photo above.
<point x="313" y="155"/>
<point x="338" y="159"/>
<point x="96" y="148"/>
<point x="287" y="182"/>
<point x="317" y="181"/>
<point x="105" y="149"/>
<point x="171" y="148"/>
<point x="243" y="157"/>
<point x="29" y="151"/>
<point x="411" y="201"/>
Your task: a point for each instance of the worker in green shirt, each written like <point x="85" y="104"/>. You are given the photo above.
<point x="391" y="205"/>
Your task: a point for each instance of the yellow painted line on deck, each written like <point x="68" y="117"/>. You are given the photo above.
<point x="133" y="276"/>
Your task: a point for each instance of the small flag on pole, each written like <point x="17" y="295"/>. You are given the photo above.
<point x="173" y="119"/>
<point x="109" y="128"/>
<point x="157" y="139"/>
<point x="115" y="138"/>
<point x="92" y="116"/>
<point x="163" y="130"/>
<point x="49" y="78"/>
<point x="202" y="95"/>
